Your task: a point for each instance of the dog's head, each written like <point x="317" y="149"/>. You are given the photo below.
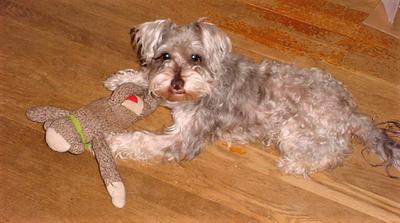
<point x="183" y="61"/>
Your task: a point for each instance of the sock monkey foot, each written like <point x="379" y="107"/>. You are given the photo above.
<point x="117" y="193"/>
<point x="56" y="141"/>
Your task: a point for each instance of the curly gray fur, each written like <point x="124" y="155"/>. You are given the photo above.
<point x="215" y="94"/>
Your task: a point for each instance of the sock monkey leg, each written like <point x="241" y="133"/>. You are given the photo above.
<point x="76" y="149"/>
<point x="108" y="171"/>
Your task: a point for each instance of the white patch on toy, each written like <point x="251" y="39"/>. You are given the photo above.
<point x="135" y="104"/>
<point x="117" y="193"/>
<point x="56" y="141"/>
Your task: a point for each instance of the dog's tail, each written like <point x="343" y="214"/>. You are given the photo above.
<point x="377" y="139"/>
<point x="45" y="113"/>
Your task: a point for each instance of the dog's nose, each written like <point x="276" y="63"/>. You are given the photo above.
<point x="177" y="84"/>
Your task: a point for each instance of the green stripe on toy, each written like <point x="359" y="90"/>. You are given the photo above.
<point x="77" y="125"/>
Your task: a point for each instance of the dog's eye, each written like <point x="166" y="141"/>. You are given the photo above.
<point x="165" y="56"/>
<point x="196" y="58"/>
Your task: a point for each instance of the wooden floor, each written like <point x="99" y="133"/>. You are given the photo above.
<point x="59" y="51"/>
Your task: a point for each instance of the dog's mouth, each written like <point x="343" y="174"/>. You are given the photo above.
<point x="185" y="86"/>
<point x="177" y="91"/>
<point x="177" y="95"/>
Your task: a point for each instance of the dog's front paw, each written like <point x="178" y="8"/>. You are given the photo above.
<point x="135" y="145"/>
<point x="171" y="155"/>
<point x="126" y="76"/>
<point x="117" y="193"/>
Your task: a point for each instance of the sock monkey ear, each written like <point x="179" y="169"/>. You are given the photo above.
<point x="146" y="37"/>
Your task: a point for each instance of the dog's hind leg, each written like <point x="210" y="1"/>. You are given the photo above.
<point x="307" y="148"/>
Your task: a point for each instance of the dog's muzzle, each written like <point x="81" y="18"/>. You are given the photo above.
<point x="177" y="85"/>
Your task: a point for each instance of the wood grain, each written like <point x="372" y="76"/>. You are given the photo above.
<point x="59" y="51"/>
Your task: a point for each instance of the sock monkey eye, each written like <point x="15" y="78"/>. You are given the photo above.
<point x="196" y="58"/>
<point x="165" y="56"/>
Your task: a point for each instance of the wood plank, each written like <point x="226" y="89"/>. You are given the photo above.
<point x="59" y="52"/>
<point x="238" y="190"/>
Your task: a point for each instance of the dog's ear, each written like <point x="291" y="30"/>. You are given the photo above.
<point x="146" y="37"/>
<point x="216" y="43"/>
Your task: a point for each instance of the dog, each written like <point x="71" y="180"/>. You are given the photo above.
<point x="215" y="94"/>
